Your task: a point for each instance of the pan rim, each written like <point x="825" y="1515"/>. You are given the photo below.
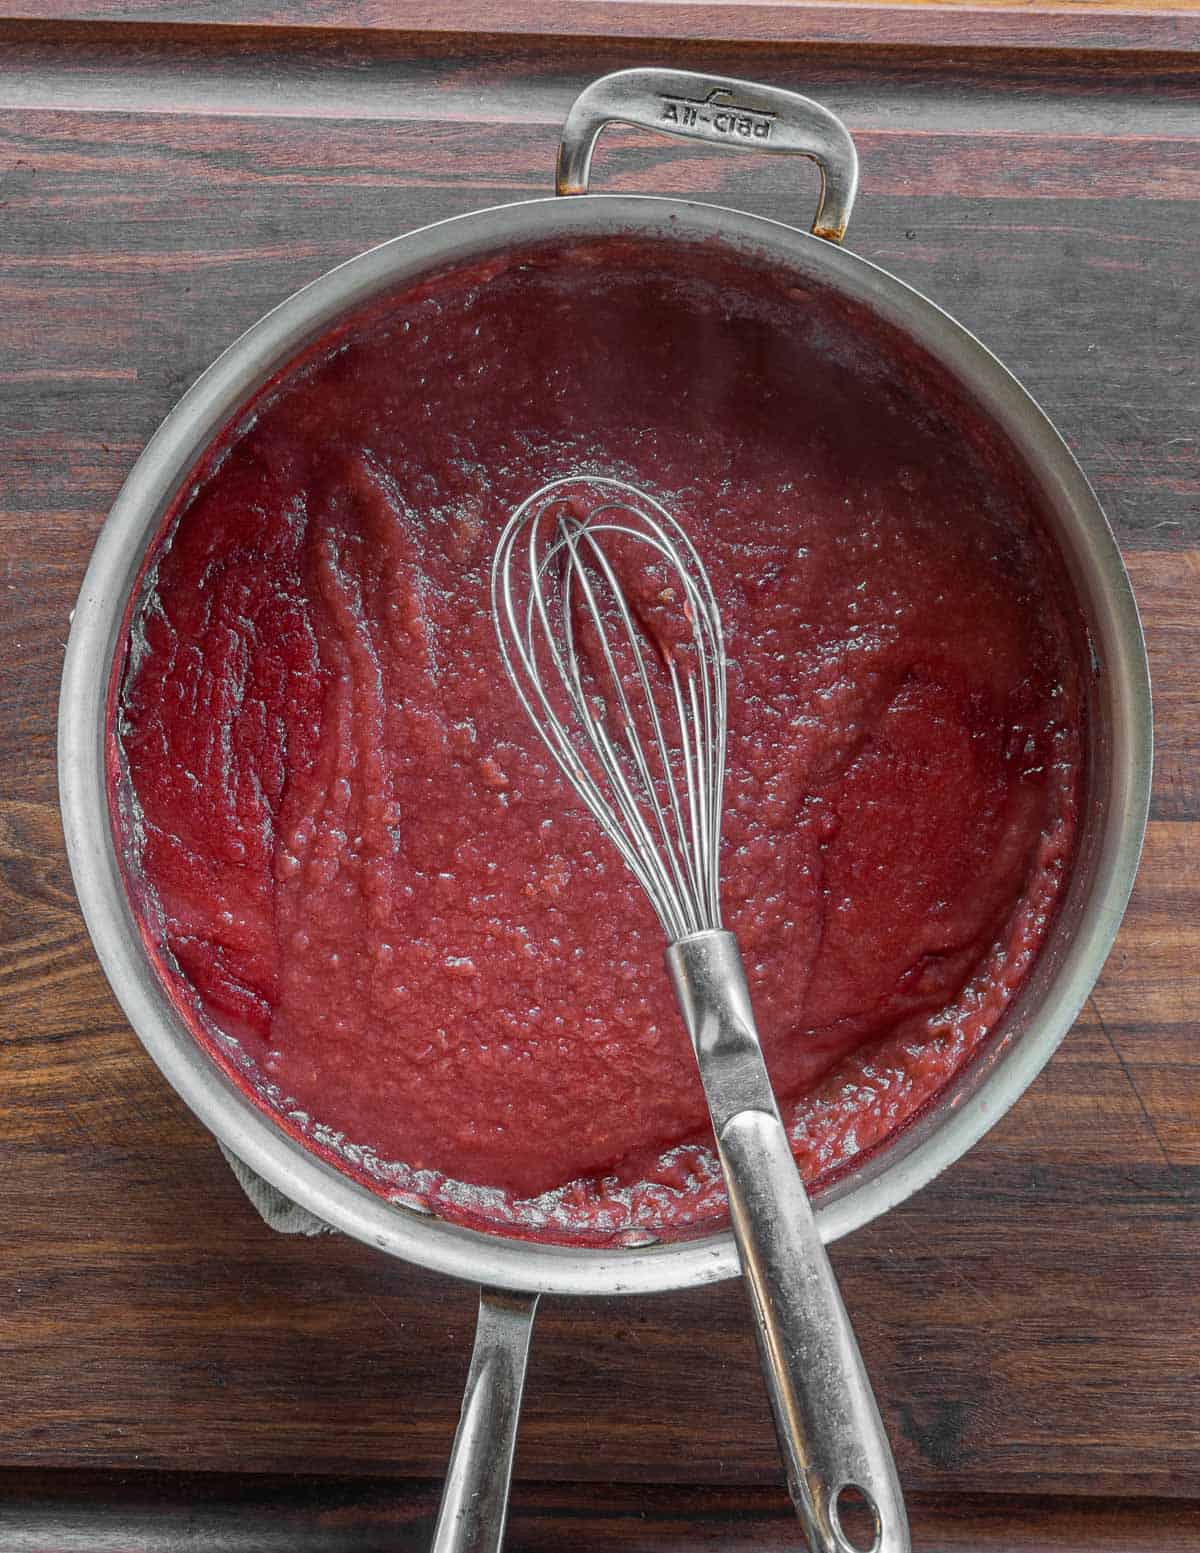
<point x="921" y="1152"/>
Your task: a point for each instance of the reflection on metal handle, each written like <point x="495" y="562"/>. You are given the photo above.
<point x="475" y="1499"/>
<point x="830" y="1432"/>
<point x="825" y="1413"/>
<point x="739" y="114"/>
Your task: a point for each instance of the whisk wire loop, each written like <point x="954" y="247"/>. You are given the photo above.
<point x="574" y="533"/>
<point x="652" y="779"/>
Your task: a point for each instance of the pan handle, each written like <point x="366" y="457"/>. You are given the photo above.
<point x="738" y="114"/>
<point x="474" y="1504"/>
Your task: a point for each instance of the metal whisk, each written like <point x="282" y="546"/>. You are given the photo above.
<point x="611" y="635"/>
<point x="556" y="562"/>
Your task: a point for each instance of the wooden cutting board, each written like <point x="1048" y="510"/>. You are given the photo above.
<point x="1031" y="1318"/>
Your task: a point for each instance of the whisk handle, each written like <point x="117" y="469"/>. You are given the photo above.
<point x="830" y="1433"/>
<point x="826" y="1417"/>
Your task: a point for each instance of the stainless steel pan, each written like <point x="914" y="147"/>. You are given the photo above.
<point x="512" y="1273"/>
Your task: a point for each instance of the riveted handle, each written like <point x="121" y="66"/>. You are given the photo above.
<point x="739" y="114"/>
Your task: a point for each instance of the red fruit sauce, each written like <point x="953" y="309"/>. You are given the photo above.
<point x="363" y="879"/>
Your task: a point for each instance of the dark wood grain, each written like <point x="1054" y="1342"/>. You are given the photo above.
<point x="151" y="1512"/>
<point x="1087" y="24"/>
<point x="1031" y="1319"/>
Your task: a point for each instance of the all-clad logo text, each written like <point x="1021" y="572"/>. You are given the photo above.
<point x="718" y="114"/>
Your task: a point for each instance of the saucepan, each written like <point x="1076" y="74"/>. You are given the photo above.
<point x="512" y="1273"/>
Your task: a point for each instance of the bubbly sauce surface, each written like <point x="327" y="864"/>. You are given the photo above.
<point x="365" y="880"/>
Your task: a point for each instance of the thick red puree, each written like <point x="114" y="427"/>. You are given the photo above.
<point x="370" y="888"/>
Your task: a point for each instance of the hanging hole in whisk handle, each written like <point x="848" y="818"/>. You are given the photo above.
<point x="856" y="1519"/>
<point x="741" y="115"/>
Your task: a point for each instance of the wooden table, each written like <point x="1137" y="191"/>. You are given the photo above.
<point x="174" y="1375"/>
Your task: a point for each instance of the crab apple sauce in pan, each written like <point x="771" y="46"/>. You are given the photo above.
<point x="364" y="879"/>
